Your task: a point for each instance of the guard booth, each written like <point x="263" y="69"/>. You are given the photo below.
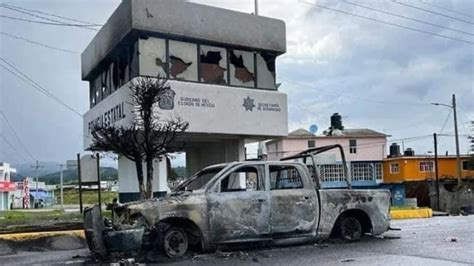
<point x="221" y="66"/>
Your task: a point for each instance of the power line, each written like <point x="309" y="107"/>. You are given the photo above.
<point x="388" y="23"/>
<point x="42" y="17"/>
<point x="47" y="23"/>
<point x="408" y="18"/>
<point x="35" y="85"/>
<point x="37" y="43"/>
<point x="13" y="148"/>
<point x="432" y="12"/>
<point x="53" y="15"/>
<point x="446" y="9"/>
<point x="356" y="98"/>
<point x="16" y="135"/>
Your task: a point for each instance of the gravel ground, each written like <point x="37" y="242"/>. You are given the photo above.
<point x="434" y="241"/>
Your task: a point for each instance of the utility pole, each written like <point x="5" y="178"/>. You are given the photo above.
<point x="456" y="136"/>
<point x="61" y="183"/>
<point x="458" y="158"/>
<point x="256" y="7"/>
<point x="436" y="170"/>
<point x="36" y="167"/>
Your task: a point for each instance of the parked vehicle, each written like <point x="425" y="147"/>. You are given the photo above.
<point x="272" y="201"/>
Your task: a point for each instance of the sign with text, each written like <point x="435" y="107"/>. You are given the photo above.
<point x="209" y="109"/>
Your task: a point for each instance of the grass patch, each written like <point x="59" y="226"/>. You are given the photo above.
<point x="32" y="216"/>
<point x="88" y="197"/>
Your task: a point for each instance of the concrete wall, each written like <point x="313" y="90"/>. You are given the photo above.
<point x="209" y="109"/>
<point x="209" y="153"/>
<point x="128" y="183"/>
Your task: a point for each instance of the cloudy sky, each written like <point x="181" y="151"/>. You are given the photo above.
<point x="376" y="75"/>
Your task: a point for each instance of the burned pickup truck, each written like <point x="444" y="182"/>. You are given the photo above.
<point x="279" y="202"/>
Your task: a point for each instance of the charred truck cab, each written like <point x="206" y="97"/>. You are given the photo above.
<point x="266" y="201"/>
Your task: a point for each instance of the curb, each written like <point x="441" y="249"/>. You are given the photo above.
<point x="411" y="213"/>
<point x="36" y="235"/>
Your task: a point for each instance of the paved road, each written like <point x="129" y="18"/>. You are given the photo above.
<point x="435" y="241"/>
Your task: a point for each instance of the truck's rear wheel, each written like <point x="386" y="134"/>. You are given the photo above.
<point x="175" y="242"/>
<point x="350" y="229"/>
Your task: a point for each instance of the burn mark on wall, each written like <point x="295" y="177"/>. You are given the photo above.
<point x="178" y="66"/>
<point x="242" y="73"/>
<point x="211" y="71"/>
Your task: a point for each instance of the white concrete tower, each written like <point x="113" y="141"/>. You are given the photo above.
<point x="221" y="68"/>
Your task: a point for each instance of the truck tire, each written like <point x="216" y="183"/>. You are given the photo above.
<point x="175" y="242"/>
<point x="350" y="229"/>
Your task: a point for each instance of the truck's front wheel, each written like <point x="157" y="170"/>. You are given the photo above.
<point x="350" y="229"/>
<point x="175" y="242"/>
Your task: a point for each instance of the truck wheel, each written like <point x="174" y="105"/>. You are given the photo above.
<point x="175" y="242"/>
<point x="350" y="229"/>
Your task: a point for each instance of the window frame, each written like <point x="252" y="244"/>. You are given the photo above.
<point x="466" y="169"/>
<point x="391" y="169"/>
<point x="430" y="165"/>
<point x="217" y="187"/>
<point x="303" y="183"/>
<point x="353" y="148"/>
<point x="313" y="143"/>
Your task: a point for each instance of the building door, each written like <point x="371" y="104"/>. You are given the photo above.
<point x="240" y="206"/>
<point x="294" y="206"/>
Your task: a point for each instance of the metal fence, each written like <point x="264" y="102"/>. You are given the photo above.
<point x="359" y="171"/>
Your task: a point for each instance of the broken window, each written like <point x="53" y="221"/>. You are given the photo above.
<point x="119" y="72"/>
<point x="246" y="178"/>
<point x="266" y="70"/>
<point x="133" y="59"/>
<point x="92" y="93"/>
<point x="183" y="61"/>
<point x="152" y="57"/>
<point x="213" y="65"/>
<point x="242" y="68"/>
<point x="285" y="177"/>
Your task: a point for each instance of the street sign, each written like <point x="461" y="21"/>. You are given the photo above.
<point x="89" y="169"/>
<point x="71" y="164"/>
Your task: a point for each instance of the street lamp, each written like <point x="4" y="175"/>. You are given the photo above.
<point x="458" y="159"/>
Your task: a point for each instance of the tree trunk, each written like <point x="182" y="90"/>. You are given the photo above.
<point x="149" y="178"/>
<point x="141" y="186"/>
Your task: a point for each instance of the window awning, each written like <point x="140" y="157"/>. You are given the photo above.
<point x="41" y="195"/>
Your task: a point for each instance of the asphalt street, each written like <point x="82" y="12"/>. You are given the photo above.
<point x="433" y="241"/>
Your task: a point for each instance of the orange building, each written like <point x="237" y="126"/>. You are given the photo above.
<point x="421" y="168"/>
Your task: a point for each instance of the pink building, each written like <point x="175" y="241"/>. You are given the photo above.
<point x="364" y="150"/>
<point x="358" y="144"/>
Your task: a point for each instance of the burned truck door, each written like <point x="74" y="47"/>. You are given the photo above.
<point x="239" y="205"/>
<point x="294" y="203"/>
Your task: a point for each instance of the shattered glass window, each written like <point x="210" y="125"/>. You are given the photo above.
<point x="92" y="93"/>
<point x="242" y="68"/>
<point x="119" y="72"/>
<point x="285" y="177"/>
<point x="266" y="70"/>
<point x="245" y="178"/>
<point x="152" y="57"/>
<point x="133" y="59"/>
<point x="183" y="61"/>
<point x="98" y="88"/>
<point x="213" y="65"/>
